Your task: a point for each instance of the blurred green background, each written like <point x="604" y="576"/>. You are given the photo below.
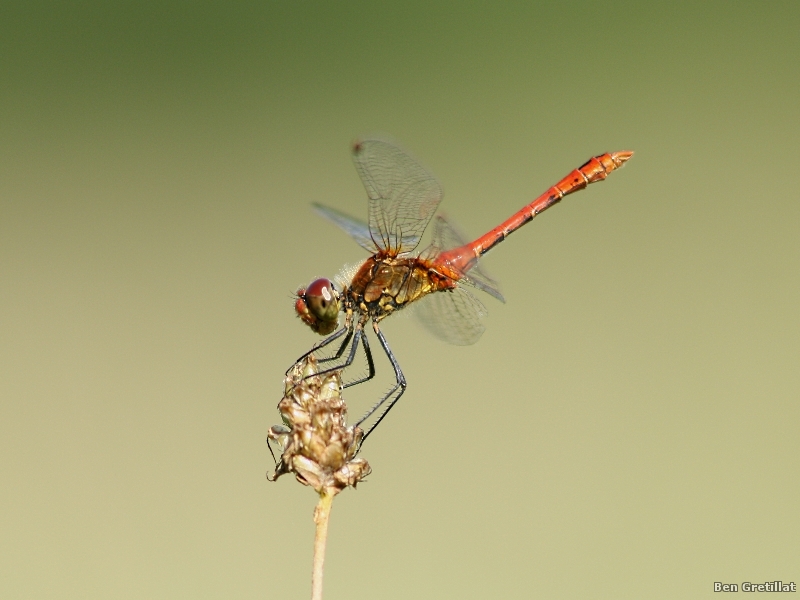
<point x="627" y="427"/>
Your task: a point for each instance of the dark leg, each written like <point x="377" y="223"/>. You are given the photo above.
<point x="340" y="351"/>
<point x="325" y="342"/>
<point x="358" y="335"/>
<point x="396" y="391"/>
<point x="370" y="363"/>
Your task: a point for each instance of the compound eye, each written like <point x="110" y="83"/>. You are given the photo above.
<point x="322" y="302"/>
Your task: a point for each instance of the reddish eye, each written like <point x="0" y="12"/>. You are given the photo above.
<point x="321" y="288"/>
<point x="318" y="306"/>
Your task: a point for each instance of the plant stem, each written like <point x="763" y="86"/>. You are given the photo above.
<point x="321" y="516"/>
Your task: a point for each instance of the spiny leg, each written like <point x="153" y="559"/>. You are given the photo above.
<point x="358" y="334"/>
<point x="340" y="351"/>
<point x="396" y="391"/>
<point x="370" y="364"/>
<point x="348" y="329"/>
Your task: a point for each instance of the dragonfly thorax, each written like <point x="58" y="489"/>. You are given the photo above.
<point x="384" y="284"/>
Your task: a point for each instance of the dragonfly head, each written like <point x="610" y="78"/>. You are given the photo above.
<point x="318" y="306"/>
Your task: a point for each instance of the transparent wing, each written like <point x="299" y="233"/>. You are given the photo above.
<point x="403" y="195"/>
<point x="447" y="236"/>
<point x="358" y="230"/>
<point x="453" y="316"/>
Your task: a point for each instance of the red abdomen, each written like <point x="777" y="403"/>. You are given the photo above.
<point x="460" y="260"/>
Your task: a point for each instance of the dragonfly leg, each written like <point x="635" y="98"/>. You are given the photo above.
<point x="340" y="351"/>
<point x="357" y="334"/>
<point x="348" y="329"/>
<point x="370" y="364"/>
<point x="393" y="395"/>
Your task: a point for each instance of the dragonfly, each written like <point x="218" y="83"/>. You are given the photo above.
<point x="403" y="199"/>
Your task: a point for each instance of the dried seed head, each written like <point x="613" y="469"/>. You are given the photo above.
<point x="316" y="444"/>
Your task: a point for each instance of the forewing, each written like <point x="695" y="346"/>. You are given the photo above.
<point x="446" y="236"/>
<point x="357" y="229"/>
<point x="403" y="195"/>
<point x="453" y="316"/>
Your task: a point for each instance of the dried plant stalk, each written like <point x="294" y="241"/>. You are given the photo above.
<point x="317" y="446"/>
<point x="321" y="517"/>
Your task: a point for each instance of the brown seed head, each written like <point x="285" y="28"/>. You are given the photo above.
<point x="316" y="443"/>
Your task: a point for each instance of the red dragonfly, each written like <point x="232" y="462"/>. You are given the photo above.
<point x="403" y="197"/>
